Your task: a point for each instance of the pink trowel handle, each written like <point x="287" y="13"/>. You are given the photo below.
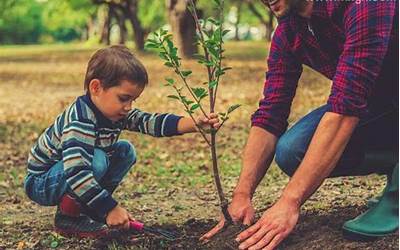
<point x="136" y="225"/>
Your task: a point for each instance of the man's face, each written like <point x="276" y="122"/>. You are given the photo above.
<point x="115" y="102"/>
<point x="280" y="7"/>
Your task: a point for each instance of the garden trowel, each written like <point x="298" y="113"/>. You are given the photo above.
<point x="139" y="226"/>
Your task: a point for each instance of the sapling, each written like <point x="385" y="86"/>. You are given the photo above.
<point x="193" y="97"/>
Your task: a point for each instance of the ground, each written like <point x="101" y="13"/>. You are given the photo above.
<point x="171" y="184"/>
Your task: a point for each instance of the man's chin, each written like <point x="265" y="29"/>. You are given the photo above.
<point x="281" y="13"/>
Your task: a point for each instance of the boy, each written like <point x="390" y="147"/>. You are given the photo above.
<point x="78" y="161"/>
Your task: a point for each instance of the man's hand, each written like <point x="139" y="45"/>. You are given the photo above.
<point x="274" y="226"/>
<point x="241" y="210"/>
<point x="119" y="218"/>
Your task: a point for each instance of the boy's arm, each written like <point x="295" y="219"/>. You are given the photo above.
<point x="78" y="141"/>
<point x="157" y="125"/>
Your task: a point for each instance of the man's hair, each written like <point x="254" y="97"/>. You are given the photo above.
<point x="113" y="64"/>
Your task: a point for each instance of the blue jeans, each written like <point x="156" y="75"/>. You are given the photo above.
<point x="47" y="189"/>
<point x="373" y="147"/>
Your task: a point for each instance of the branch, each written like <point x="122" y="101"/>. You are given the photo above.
<point x="191" y="116"/>
<point x="207" y="56"/>
<point x="253" y="9"/>
<point x="183" y="79"/>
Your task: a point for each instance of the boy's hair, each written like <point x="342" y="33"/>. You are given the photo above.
<point x="113" y="64"/>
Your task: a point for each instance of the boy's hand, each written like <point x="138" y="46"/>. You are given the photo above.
<point x="205" y="122"/>
<point x="119" y="218"/>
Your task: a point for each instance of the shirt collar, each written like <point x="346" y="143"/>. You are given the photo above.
<point x="102" y="120"/>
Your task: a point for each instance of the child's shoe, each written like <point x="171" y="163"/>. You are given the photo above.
<point x="70" y="222"/>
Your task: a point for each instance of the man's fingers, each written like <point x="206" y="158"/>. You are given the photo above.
<point x="254" y="238"/>
<point x="248" y="219"/>
<point x="264" y="241"/>
<point x="213" y="231"/>
<point x="213" y="115"/>
<point x="248" y="232"/>
<point x="274" y="242"/>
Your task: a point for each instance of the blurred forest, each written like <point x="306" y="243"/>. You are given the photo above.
<point x="123" y="21"/>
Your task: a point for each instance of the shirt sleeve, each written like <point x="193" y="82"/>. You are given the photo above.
<point x="283" y="74"/>
<point x="157" y="125"/>
<point x="368" y="28"/>
<point x="78" y="140"/>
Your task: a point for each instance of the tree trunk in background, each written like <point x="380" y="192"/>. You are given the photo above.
<point x="130" y="9"/>
<point x="105" y="33"/>
<point x="122" y="27"/>
<point x="239" y="14"/>
<point x="183" y="27"/>
<point x="269" y="24"/>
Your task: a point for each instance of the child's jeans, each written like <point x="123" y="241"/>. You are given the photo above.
<point x="47" y="189"/>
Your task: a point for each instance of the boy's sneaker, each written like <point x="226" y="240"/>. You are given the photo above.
<point x="70" y="223"/>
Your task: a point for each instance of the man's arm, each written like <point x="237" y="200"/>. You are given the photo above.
<point x="257" y="157"/>
<point x="327" y="145"/>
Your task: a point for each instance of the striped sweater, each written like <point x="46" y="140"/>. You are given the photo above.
<point x="72" y="139"/>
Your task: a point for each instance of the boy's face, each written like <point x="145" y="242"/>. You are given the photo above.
<point x="114" y="102"/>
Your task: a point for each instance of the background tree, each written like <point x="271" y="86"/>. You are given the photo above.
<point x="264" y="15"/>
<point x="183" y="27"/>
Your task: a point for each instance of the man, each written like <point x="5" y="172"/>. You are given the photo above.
<point x="355" y="44"/>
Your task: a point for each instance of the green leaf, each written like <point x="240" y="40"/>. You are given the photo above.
<point x="194" y="107"/>
<point x="226" y="68"/>
<point x="169" y="64"/>
<point x="170" y="81"/>
<point x="225" y="32"/>
<point x="173" y="97"/>
<point x="151" y="46"/>
<point x="54" y="244"/>
<point x="212" y="84"/>
<point x="199" y="92"/>
<point x="163" y="55"/>
<point x="186" y="73"/>
<point x="233" y="107"/>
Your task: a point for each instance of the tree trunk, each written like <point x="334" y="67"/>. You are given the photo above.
<point x="130" y="9"/>
<point x="183" y="27"/>
<point x="122" y="27"/>
<point x="239" y="15"/>
<point x="269" y="26"/>
<point x="105" y="33"/>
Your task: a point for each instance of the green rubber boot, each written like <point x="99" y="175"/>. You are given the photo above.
<point x="380" y="220"/>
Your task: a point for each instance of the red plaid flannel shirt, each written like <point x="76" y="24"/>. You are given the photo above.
<point x="348" y="42"/>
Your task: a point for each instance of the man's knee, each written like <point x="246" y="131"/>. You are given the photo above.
<point x="287" y="155"/>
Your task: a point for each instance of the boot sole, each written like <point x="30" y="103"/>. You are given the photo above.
<point x="74" y="234"/>
<point x="358" y="236"/>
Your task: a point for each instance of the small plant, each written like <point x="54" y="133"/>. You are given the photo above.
<point x="53" y="240"/>
<point x="193" y="97"/>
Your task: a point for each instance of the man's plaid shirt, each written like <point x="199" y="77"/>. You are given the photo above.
<point x="355" y="44"/>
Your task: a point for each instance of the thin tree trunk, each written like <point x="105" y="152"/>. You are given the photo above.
<point x="131" y="10"/>
<point x="105" y="34"/>
<point x="239" y="15"/>
<point x="122" y="27"/>
<point x="183" y="27"/>
<point x="267" y="23"/>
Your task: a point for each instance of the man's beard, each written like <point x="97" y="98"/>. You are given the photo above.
<point x="294" y="5"/>
<point x="297" y="5"/>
